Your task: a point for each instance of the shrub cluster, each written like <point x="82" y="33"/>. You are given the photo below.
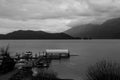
<point x="7" y="63"/>
<point x="104" y="70"/>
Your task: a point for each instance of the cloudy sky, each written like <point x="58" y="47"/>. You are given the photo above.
<point x="54" y="15"/>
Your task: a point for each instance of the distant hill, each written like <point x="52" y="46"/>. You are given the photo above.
<point x="29" y="34"/>
<point x="108" y="30"/>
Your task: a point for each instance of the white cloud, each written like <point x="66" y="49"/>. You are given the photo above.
<point x="49" y="25"/>
<point x="54" y="15"/>
<point x="42" y="9"/>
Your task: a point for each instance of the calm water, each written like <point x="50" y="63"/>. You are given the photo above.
<point x="89" y="52"/>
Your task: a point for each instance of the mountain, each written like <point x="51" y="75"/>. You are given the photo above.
<point x="29" y="34"/>
<point x="108" y="30"/>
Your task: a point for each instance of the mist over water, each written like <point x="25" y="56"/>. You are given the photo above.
<point x="89" y="51"/>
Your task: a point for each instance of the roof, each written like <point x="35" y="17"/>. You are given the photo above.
<point x="57" y="51"/>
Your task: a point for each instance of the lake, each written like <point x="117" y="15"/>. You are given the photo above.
<point x="89" y="51"/>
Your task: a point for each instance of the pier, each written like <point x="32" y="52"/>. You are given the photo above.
<point x="40" y="60"/>
<point x="27" y="61"/>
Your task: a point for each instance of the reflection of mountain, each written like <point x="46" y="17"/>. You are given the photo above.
<point x="108" y="30"/>
<point x="34" y="35"/>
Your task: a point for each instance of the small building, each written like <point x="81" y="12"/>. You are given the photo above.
<point x="57" y="53"/>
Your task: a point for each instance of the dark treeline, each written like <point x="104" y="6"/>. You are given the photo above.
<point x="34" y="35"/>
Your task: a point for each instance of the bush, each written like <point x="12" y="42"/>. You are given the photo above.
<point x="7" y="62"/>
<point x="104" y="70"/>
<point x="23" y="74"/>
<point x="26" y="74"/>
<point x="46" y="75"/>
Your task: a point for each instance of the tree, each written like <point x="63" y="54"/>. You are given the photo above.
<point x="8" y="63"/>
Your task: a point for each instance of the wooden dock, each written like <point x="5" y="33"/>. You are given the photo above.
<point x="41" y="61"/>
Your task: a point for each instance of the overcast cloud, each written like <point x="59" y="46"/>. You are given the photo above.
<point x="54" y="15"/>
